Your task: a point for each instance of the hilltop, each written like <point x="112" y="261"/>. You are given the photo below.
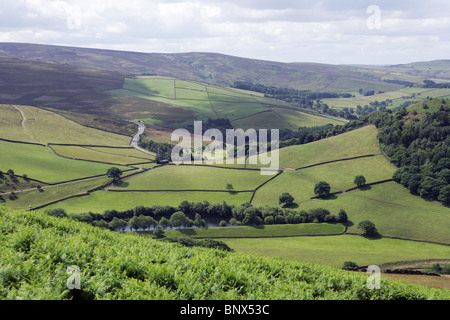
<point x="213" y="68"/>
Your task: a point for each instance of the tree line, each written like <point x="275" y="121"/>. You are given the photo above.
<point x="419" y="147"/>
<point x="188" y="214"/>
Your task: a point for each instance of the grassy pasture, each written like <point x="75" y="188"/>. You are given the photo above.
<point x="259" y="231"/>
<point x="41" y="163"/>
<point x="340" y="175"/>
<point x="398" y="97"/>
<point x="109" y="155"/>
<point x="283" y="118"/>
<point x="43" y="126"/>
<point x="204" y="100"/>
<point x="11" y="124"/>
<point x="335" y="250"/>
<point x="194" y="178"/>
<point x="354" y="143"/>
<point x="100" y="201"/>
<point x="48" y="194"/>
<point x="394" y="211"/>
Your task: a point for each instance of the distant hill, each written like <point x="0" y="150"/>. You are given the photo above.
<point x="213" y="68"/>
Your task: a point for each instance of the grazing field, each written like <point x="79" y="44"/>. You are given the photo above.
<point x="354" y="143"/>
<point x="335" y="250"/>
<point x="42" y="164"/>
<point x="340" y="176"/>
<point x="398" y="97"/>
<point x="108" y="155"/>
<point x="283" y="118"/>
<point x="100" y="201"/>
<point x="34" y="198"/>
<point x="208" y="101"/>
<point x="185" y="177"/>
<point x="259" y="231"/>
<point x="43" y="126"/>
<point x="394" y="211"/>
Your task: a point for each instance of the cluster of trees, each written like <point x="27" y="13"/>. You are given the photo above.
<point x="432" y="84"/>
<point x="372" y="107"/>
<point x="420" y="149"/>
<point x="189" y="214"/>
<point x="163" y="150"/>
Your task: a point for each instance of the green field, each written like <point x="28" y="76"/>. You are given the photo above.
<point x="109" y="155"/>
<point x="42" y="126"/>
<point x="354" y="143"/>
<point x="398" y="97"/>
<point x="391" y="207"/>
<point x="48" y="194"/>
<point x="42" y="164"/>
<point x="259" y="231"/>
<point x="100" y="201"/>
<point x="340" y="176"/>
<point x="194" y="178"/>
<point x="283" y="118"/>
<point x="335" y="250"/>
<point x="208" y="101"/>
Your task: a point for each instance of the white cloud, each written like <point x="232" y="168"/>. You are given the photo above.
<point x="293" y="30"/>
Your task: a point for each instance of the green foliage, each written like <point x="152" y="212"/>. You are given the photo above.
<point x="286" y="199"/>
<point x="58" y="212"/>
<point x="322" y="189"/>
<point x="360" y="181"/>
<point x="114" y="173"/>
<point x="350" y="265"/>
<point x="37" y="249"/>
<point x="368" y="228"/>
<point x="342" y="216"/>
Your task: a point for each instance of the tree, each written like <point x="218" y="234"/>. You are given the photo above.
<point x="10" y="173"/>
<point x="164" y="222"/>
<point x="360" y="181"/>
<point x="146" y="222"/>
<point x="342" y="216"/>
<point x="250" y="217"/>
<point x="114" y="173"/>
<point x="178" y="219"/>
<point x="198" y="221"/>
<point x="444" y="195"/>
<point x="368" y="228"/>
<point x="135" y="223"/>
<point x="158" y="232"/>
<point x="322" y="189"/>
<point x="229" y="187"/>
<point x="350" y="265"/>
<point x="118" y="224"/>
<point x="286" y="199"/>
<point x="319" y="214"/>
<point x="57" y="212"/>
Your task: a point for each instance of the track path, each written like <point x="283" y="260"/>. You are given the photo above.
<point x="134" y="142"/>
<point x="24" y="119"/>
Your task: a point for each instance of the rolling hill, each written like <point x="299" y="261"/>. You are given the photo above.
<point x="212" y="68"/>
<point x="62" y="113"/>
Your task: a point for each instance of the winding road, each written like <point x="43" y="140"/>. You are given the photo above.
<point x="134" y="142"/>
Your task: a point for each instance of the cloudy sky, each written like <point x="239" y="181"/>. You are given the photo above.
<point x="337" y="32"/>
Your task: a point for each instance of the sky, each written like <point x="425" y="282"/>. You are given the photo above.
<point x="335" y="32"/>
